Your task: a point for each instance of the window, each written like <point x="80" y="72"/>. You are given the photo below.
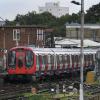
<point x="58" y="59"/>
<point x="16" y="34"/>
<point x="37" y="60"/>
<point x="49" y="59"/>
<point x="29" y="59"/>
<point x="12" y="59"/>
<point x="40" y="34"/>
<point x="68" y="59"/>
<point x="52" y="59"/>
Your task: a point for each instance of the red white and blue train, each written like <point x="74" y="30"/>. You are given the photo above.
<point x="24" y="60"/>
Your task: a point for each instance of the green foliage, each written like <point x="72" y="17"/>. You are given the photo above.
<point x="93" y="14"/>
<point x="57" y="24"/>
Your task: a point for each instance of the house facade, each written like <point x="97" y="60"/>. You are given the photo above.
<point x="11" y="36"/>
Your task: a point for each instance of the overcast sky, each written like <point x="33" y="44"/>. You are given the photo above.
<point x="10" y="8"/>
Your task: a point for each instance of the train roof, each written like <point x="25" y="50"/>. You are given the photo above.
<point x="57" y="51"/>
<point x="62" y="51"/>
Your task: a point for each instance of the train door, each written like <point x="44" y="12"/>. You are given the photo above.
<point x="49" y="62"/>
<point x="73" y="61"/>
<point x="20" y="62"/>
<point x="37" y="63"/>
<point x="43" y="63"/>
<point x="12" y="60"/>
<point x="52" y="62"/>
<point x="77" y="61"/>
<point x="68" y="62"/>
<point x="65" y="61"/>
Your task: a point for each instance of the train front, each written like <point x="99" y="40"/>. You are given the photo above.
<point x="20" y="61"/>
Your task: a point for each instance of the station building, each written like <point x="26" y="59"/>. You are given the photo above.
<point x="91" y="31"/>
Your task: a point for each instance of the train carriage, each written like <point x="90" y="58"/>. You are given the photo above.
<point x="42" y="61"/>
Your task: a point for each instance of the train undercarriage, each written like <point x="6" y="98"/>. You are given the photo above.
<point x="50" y="75"/>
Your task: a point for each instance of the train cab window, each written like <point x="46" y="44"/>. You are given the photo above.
<point x="29" y="59"/>
<point x="12" y="59"/>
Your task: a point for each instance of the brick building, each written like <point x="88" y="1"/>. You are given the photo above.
<point x="11" y="36"/>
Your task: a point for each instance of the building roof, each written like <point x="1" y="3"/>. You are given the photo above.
<point x="24" y="26"/>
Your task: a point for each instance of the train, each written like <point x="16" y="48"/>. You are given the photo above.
<point x="97" y="70"/>
<point x="37" y="62"/>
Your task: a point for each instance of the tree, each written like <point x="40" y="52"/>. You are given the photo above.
<point x="93" y="14"/>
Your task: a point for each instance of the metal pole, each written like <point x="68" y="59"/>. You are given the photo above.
<point x="81" y="50"/>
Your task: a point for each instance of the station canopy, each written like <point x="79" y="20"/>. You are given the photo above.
<point x="77" y="43"/>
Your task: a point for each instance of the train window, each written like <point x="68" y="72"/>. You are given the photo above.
<point x="98" y="55"/>
<point x="52" y="59"/>
<point x="58" y="60"/>
<point x="84" y="58"/>
<point x="76" y="59"/>
<point x="29" y="59"/>
<point x="45" y="59"/>
<point x="73" y="60"/>
<point x="49" y="58"/>
<point x="68" y="58"/>
<point x="40" y="60"/>
<point x="65" y="58"/>
<point x="89" y="57"/>
<point x="12" y="59"/>
<point x="37" y="61"/>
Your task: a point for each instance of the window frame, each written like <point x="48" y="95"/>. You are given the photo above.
<point x="16" y="34"/>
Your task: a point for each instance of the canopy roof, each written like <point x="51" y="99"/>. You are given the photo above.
<point x="86" y="26"/>
<point x="74" y="42"/>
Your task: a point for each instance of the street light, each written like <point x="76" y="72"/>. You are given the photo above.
<point x="81" y="50"/>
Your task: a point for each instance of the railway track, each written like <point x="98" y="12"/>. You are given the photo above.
<point x="11" y="91"/>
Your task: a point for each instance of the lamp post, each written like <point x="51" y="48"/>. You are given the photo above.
<point x="81" y="50"/>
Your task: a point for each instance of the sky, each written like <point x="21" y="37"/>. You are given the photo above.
<point x="10" y="8"/>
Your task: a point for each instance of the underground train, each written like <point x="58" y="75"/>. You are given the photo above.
<point x="24" y="60"/>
